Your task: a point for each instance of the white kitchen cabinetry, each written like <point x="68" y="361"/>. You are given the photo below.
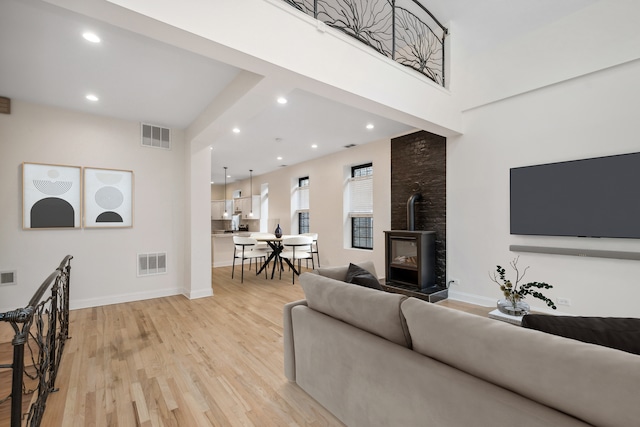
<point x="245" y="205"/>
<point x="218" y="208"/>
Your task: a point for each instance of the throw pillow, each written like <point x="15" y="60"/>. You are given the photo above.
<point x="615" y="332"/>
<point x="360" y="276"/>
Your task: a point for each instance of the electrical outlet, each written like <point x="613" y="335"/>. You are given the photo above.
<point x="454" y="282"/>
<point x="564" y="301"/>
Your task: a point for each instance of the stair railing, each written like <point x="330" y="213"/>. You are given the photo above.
<point x="41" y="330"/>
<point x="403" y="30"/>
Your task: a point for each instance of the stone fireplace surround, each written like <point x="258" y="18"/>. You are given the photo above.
<point x="418" y="165"/>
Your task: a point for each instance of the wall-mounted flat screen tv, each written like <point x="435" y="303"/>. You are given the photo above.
<point x="598" y="197"/>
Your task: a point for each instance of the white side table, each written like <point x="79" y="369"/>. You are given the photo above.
<point x="498" y="315"/>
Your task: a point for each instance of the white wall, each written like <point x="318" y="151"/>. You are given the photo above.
<point x="104" y="264"/>
<point x="561" y="118"/>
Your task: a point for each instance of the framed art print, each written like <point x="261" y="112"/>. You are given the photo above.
<point x="50" y="196"/>
<point x="108" y="198"/>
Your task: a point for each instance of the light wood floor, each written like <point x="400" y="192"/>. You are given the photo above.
<point x="174" y="362"/>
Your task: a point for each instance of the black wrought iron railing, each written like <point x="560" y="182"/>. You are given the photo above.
<point x="403" y="30"/>
<point x="41" y="330"/>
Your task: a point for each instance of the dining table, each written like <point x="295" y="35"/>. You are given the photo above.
<point x="275" y="243"/>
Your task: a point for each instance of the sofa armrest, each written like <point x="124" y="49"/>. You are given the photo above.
<point x="289" y="347"/>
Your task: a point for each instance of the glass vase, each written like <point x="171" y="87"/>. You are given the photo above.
<point x="513" y="308"/>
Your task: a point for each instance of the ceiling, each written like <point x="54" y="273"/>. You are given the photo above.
<point x="44" y="59"/>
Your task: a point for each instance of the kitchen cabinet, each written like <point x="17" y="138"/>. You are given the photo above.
<point x="218" y="207"/>
<point x="244" y="206"/>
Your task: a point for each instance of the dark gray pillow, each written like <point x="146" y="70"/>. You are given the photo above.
<point x="616" y="332"/>
<point x="360" y="276"/>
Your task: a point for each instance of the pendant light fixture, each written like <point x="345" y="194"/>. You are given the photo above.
<point x="225" y="192"/>
<point x="251" y="191"/>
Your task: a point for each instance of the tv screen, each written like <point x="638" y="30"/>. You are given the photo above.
<point x="597" y="197"/>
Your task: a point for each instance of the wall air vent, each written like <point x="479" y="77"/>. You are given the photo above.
<point x="150" y="264"/>
<point x="155" y="136"/>
<point x="8" y="278"/>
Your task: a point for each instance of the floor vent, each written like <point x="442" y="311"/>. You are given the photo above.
<point x="156" y="136"/>
<point x="150" y="264"/>
<point x="7" y="278"/>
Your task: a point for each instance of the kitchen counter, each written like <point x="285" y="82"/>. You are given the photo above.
<point x="222" y="247"/>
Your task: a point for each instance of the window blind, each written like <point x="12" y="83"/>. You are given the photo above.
<point x="303" y="198"/>
<point x="361" y="196"/>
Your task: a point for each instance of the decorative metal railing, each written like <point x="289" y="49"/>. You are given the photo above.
<point x="41" y="330"/>
<point x="403" y="30"/>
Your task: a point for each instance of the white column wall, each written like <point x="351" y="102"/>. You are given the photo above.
<point x="198" y="256"/>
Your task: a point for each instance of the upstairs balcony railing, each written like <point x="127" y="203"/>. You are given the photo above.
<point x="403" y="30"/>
<point x="40" y="332"/>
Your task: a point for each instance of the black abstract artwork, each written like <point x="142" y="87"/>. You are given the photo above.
<point x="108" y="198"/>
<point x="51" y="196"/>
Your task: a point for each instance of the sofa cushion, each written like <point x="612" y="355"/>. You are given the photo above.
<point x="340" y="272"/>
<point x="619" y="333"/>
<point x="359" y="276"/>
<point x="374" y="311"/>
<point x="569" y="375"/>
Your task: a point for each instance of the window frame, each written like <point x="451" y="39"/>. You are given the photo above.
<point x="357" y="218"/>
<point x="302" y="212"/>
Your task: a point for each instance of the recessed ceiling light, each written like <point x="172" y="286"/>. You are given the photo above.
<point x="279" y="157"/>
<point x="370" y="126"/>
<point x="236" y="130"/>
<point x="228" y="176"/>
<point x="282" y="100"/>
<point x="92" y="97"/>
<point x="91" y="37"/>
<point x="314" y="146"/>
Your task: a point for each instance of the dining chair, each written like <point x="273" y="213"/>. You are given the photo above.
<point x="263" y="245"/>
<point x="314" y="249"/>
<point x="245" y="248"/>
<point x="296" y="249"/>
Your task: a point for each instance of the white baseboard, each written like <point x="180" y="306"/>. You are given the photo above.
<point x="222" y="264"/>
<point x="491" y="302"/>
<point x="76" y="304"/>
<point x="472" y="299"/>
<point x="202" y="293"/>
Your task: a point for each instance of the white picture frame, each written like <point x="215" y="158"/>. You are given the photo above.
<point x="51" y="196"/>
<point x="108" y="198"/>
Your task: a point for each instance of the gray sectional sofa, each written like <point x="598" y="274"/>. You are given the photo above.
<point x="379" y="359"/>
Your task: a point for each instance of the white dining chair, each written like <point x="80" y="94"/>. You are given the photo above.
<point x="314" y="249"/>
<point x="263" y="245"/>
<point x="245" y="248"/>
<point x="296" y="249"/>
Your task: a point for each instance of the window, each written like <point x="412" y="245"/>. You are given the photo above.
<point x="303" y="205"/>
<point x="361" y="206"/>
<point x="303" y="222"/>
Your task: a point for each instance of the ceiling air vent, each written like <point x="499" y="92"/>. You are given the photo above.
<point x="350" y="146"/>
<point x="156" y="136"/>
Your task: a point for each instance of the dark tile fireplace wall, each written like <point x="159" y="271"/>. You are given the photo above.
<point x="419" y="165"/>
